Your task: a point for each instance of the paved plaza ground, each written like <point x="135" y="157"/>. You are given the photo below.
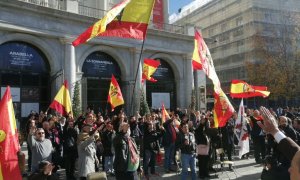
<point x="246" y="169"/>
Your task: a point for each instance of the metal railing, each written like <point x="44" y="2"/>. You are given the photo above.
<point x="53" y="4"/>
<point x="99" y="13"/>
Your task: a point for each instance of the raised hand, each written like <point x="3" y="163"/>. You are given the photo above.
<point x="270" y="125"/>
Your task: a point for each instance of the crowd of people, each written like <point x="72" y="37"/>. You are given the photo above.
<point x="124" y="146"/>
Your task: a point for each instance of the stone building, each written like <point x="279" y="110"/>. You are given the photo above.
<point x="235" y="26"/>
<point x="36" y="55"/>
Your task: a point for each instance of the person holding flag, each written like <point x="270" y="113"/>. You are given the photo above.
<point x="168" y="142"/>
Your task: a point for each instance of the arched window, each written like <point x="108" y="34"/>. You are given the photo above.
<point x="164" y="89"/>
<point x="97" y="71"/>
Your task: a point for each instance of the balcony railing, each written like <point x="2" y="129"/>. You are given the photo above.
<point x="54" y="4"/>
<point x="99" y="13"/>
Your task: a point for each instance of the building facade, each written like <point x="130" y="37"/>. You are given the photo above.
<point x="235" y="26"/>
<point x="36" y="56"/>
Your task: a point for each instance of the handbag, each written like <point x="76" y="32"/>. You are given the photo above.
<point x="202" y="149"/>
<point x="159" y="158"/>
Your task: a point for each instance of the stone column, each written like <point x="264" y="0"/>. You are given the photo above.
<point x="196" y="89"/>
<point x="134" y="99"/>
<point x="189" y="79"/>
<point x="70" y="64"/>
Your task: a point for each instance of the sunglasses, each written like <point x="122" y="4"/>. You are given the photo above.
<point x="39" y="133"/>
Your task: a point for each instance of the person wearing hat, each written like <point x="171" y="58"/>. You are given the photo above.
<point x="87" y="151"/>
<point x="44" y="172"/>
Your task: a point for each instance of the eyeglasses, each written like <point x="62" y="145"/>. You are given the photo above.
<point x="39" y="133"/>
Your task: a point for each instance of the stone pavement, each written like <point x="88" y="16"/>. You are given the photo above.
<point x="245" y="169"/>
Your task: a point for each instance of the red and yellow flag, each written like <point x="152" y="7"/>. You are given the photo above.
<point x="223" y="109"/>
<point x="149" y="68"/>
<point x="100" y="26"/>
<point x="115" y="97"/>
<point x="128" y="19"/>
<point x="202" y="59"/>
<point x="62" y="101"/>
<point x="9" y="142"/>
<point x="164" y="114"/>
<point x="241" y="89"/>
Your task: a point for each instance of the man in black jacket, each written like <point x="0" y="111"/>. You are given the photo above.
<point x="258" y="137"/>
<point x="187" y="144"/>
<point x="287" y="129"/>
<point x="228" y="139"/>
<point x="108" y="153"/>
<point x="285" y="145"/>
<point x="151" y="148"/>
<point x="168" y="142"/>
<point x="70" y="153"/>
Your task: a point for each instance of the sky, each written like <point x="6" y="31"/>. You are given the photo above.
<point x="174" y="5"/>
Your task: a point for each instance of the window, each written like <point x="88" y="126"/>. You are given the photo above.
<point x="210" y="32"/>
<point x="240" y="46"/>
<point x="224" y="37"/>
<point x="224" y="26"/>
<point x="238" y="32"/>
<point x="239" y="21"/>
<point x="268" y="17"/>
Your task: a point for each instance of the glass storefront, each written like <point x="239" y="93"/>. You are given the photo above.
<point x="26" y="70"/>
<point x="164" y="90"/>
<point x="97" y="71"/>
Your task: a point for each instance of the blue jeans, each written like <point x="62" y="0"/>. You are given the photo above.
<point x="188" y="160"/>
<point x="169" y="156"/>
<point x="108" y="161"/>
<point x="149" y="161"/>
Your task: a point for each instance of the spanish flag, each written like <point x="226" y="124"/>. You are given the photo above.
<point x="62" y="101"/>
<point x="115" y="97"/>
<point x="9" y="143"/>
<point x="149" y="68"/>
<point x="128" y="19"/>
<point x="202" y="59"/>
<point x="241" y="89"/>
<point x="198" y="48"/>
<point x="223" y="110"/>
<point x="164" y="114"/>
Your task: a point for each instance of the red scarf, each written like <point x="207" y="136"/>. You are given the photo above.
<point x="133" y="152"/>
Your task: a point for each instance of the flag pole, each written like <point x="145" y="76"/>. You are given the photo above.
<point x="136" y="74"/>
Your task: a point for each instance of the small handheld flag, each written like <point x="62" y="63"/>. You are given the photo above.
<point x="115" y="97"/>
